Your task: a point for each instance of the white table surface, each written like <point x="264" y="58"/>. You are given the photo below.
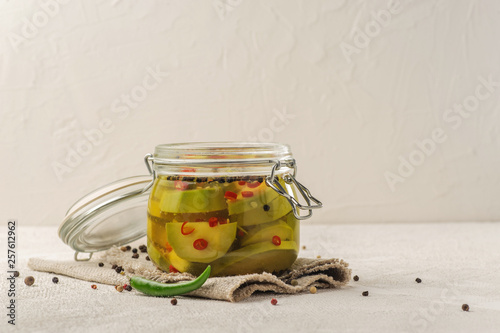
<point x="457" y="262"/>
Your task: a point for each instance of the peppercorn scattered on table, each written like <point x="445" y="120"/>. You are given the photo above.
<point x="417" y="277"/>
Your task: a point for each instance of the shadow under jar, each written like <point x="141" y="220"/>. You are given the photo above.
<point x="229" y="205"/>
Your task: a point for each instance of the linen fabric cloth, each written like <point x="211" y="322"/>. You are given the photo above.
<point x="320" y="273"/>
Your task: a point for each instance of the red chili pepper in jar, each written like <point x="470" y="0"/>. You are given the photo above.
<point x="172" y="269"/>
<point x="180" y="185"/>
<point x="247" y="194"/>
<point x="186" y="231"/>
<point x="200" y="244"/>
<point x="276" y="240"/>
<point x="213" y="221"/>
<point x="253" y="184"/>
<point x="230" y="195"/>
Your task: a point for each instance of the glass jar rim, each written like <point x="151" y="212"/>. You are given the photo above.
<point x="221" y="152"/>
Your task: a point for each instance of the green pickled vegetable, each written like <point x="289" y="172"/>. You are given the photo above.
<point x="154" y="288"/>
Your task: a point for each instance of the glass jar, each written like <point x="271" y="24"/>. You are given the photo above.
<point x="234" y="206"/>
<point x="230" y="205"/>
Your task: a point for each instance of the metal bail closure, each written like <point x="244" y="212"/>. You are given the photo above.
<point x="151" y="168"/>
<point x="272" y="181"/>
<point x="82" y="259"/>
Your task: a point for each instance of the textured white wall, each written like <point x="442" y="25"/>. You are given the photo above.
<point x="362" y="83"/>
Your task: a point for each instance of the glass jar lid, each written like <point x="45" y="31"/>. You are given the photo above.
<point x="111" y="215"/>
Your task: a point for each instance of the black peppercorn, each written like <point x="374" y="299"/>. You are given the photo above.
<point x="266" y="208"/>
<point x="118" y="269"/>
<point x="355" y="278"/>
<point x="173" y="301"/>
<point x="55" y="279"/>
<point x="101" y="264"/>
<point x="114" y="266"/>
<point x="365" y="293"/>
<point x="465" y="307"/>
<point x="418" y="280"/>
<point x="128" y="288"/>
<point x="128" y="247"/>
<point x="147" y="258"/>
<point x="135" y="255"/>
<point x="16" y="274"/>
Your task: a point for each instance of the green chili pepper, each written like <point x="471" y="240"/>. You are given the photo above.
<point x="154" y="288"/>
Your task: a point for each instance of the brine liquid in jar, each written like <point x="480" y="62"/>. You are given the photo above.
<point x="238" y="225"/>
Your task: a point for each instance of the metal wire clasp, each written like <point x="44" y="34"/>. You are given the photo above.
<point x="272" y="181"/>
<point x="82" y="259"/>
<point x="150" y="164"/>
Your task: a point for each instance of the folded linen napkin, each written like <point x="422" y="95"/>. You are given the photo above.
<point x="321" y="273"/>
